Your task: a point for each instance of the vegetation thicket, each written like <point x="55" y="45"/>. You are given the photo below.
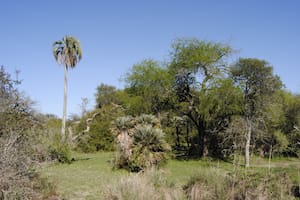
<point x="21" y="145"/>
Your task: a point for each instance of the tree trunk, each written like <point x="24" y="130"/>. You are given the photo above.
<point x="64" y="116"/>
<point x="247" y="147"/>
<point x="270" y="157"/>
<point x="187" y="135"/>
<point x="177" y="137"/>
<point x="201" y="134"/>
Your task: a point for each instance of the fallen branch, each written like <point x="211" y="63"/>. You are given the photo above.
<point x="87" y="129"/>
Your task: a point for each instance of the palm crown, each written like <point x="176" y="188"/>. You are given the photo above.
<point x="67" y="51"/>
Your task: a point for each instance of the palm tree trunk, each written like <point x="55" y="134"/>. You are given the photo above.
<point x="63" y="128"/>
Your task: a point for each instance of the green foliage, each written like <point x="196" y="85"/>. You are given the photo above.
<point x="135" y="105"/>
<point x="60" y="151"/>
<point x="198" y="68"/>
<point x="147" y="84"/>
<point x="106" y="95"/>
<point x="291" y="123"/>
<point x="199" y="56"/>
<point x="98" y="137"/>
<point x="281" y="142"/>
<point x="140" y="142"/>
<point x="57" y="150"/>
<point x="256" y="79"/>
<point x="258" y="83"/>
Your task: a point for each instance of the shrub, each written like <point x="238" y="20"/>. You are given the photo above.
<point x="213" y="184"/>
<point x="60" y="151"/>
<point x="93" y="131"/>
<point x="150" y="185"/>
<point x="208" y="184"/>
<point x="20" y="129"/>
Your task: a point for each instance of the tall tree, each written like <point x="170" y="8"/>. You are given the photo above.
<point x="68" y="53"/>
<point x="258" y="83"/>
<point x="196" y="64"/>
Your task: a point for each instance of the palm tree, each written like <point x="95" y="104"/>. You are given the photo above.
<point x="67" y="52"/>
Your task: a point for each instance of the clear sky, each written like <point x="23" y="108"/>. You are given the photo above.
<point x="117" y="34"/>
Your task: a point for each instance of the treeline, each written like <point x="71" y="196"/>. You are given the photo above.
<point x="205" y="105"/>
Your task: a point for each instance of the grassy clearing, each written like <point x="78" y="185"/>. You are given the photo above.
<point x="84" y="178"/>
<point x="91" y="175"/>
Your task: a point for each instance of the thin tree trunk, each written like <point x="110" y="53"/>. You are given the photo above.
<point x="187" y="135"/>
<point x="270" y="157"/>
<point x="177" y="137"/>
<point x="247" y="147"/>
<point x="64" y="116"/>
<point x="201" y="134"/>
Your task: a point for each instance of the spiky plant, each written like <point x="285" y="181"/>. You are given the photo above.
<point x="140" y="142"/>
<point x="149" y="147"/>
<point x="148" y="119"/>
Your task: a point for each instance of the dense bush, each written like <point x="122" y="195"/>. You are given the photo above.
<point x="60" y="152"/>
<point x="20" y="130"/>
<point x="93" y="131"/>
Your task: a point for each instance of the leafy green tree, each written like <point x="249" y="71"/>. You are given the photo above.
<point x="195" y="65"/>
<point x="68" y="53"/>
<point x="106" y="94"/>
<point x="258" y="83"/>
<point x="222" y="101"/>
<point x="203" y="58"/>
<point x="148" y="86"/>
<point x="269" y="137"/>
<point x="291" y="123"/>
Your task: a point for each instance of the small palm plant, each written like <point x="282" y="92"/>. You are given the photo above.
<point x="149" y="147"/>
<point x="148" y="119"/>
<point x="140" y="141"/>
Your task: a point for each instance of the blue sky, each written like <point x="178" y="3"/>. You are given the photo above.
<point x="117" y="34"/>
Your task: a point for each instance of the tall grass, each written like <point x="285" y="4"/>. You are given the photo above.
<point x="150" y="185"/>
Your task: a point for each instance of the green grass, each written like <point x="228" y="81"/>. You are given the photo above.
<point x="84" y="178"/>
<point x="90" y="175"/>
